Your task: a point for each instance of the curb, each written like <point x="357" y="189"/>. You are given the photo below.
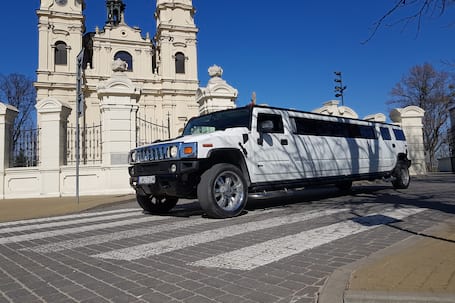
<point x="335" y="289"/>
<point x="395" y="297"/>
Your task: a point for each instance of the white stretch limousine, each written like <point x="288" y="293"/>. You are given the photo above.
<point x="224" y="156"/>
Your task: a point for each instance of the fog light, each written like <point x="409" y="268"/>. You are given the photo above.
<point x="173" y="168"/>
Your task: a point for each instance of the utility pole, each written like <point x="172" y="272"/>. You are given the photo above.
<point x="79" y="112"/>
<point x="339" y="88"/>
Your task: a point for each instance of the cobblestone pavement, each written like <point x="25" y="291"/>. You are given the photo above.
<point x="280" y="250"/>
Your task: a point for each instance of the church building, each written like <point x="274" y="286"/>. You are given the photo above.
<point x="162" y="68"/>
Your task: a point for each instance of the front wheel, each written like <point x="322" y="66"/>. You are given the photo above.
<point x="222" y="191"/>
<point x="402" y="177"/>
<point x="156" y="204"/>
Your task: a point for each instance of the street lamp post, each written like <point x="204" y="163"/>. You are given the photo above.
<point x="339" y="88"/>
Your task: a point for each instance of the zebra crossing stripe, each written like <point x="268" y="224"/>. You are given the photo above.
<point x="160" y="247"/>
<point x="70" y="222"/>
<point x="76" y="230"/>
<point x="99" y="239"/>
<point x="66" y="217"/>
<point x="274" y="250"/>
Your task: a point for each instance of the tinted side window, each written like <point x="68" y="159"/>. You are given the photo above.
<point x="367" y="132"/>
<point x="385" y="133"/>
<point x="306" y="126"/>
<point x="276" y="120"/>
<point x="399" y="135"/>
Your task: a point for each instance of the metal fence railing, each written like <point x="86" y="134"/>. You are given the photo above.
<point x="90" y="150"/>
<point x="148" y="132"/>
<point x="24" y="148"/>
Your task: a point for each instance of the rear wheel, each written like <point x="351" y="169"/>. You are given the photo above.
<point x="156" y="204"/>
<point x="222" y="191"/>
<point x="402" y="177"/>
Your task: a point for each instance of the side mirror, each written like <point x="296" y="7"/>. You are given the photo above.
<point x="266" y="126"/>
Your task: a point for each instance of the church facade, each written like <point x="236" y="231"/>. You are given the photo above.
<point x="163" y="68"/>
<point x="135" y="88"/>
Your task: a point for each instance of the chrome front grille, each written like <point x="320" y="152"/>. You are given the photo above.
<point x="153" y="153"/>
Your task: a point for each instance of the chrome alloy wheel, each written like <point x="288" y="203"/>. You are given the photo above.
<point x="228" y="190"/>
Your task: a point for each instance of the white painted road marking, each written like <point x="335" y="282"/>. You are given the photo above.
<point x="76" y="230"/>
<point x="69" y="222"/>
<point x="103" y="238"/>
<point x="76" y="216"/>
<point x="99" y="239"/>
<point x="274" y="250"/>
<point x="160" y="247"/>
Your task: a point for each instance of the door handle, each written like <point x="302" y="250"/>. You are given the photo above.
<point x="284" y="142"/>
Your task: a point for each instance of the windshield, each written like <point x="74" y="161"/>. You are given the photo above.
<point x="218" y="121"/>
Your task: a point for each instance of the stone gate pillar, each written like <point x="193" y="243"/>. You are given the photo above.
<point x="410" y="120"/>
<point x="218" y="95"/>
<point x="118" y="104"/>
<point x="7" y="115"/>
<point x="52" y="119"/>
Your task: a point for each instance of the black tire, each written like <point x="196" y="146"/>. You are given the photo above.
<point x="402" y="179"/>
<point x="156" y="204"/>
<point x="222" y="191"/>
<point x="344" y="186"/>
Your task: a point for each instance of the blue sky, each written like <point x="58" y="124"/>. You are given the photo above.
<point x="285" y="51"/>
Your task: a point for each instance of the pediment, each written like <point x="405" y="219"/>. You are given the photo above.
<point x="122" y="32"/>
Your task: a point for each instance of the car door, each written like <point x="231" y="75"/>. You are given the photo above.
<point x="272" y="146"/>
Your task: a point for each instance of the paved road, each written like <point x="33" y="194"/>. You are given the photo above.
<point x="280" y="250"/>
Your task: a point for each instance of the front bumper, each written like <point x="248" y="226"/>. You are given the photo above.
<point x="181" y="183"/>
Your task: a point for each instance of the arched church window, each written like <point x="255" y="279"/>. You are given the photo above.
<point x="179" y="63"/>
<point x="125" y="56"/>
<point x="61" y="56"/>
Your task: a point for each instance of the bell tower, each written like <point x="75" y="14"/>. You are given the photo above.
<point x="115" y="12"/>
<point x="177" y="60"/>
<point x="176" y="39"/>
<point x="61" y="25"/>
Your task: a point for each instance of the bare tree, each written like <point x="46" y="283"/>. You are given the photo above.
<point x="410" y="11"/>
<point x="433" y="91"/>
<point x="18" y="91"/>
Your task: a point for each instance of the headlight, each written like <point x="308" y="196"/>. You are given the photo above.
<point x="173" y="151"/>
<point x="132" y="156"/>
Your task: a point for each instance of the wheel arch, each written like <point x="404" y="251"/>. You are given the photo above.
<point x="403" y="159"/>
<point x="231" y="156"/>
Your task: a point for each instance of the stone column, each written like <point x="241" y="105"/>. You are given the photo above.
<point x="410" y="120"/>
<point x="52" y="119"/>
<point x="7" y="115"/>
<point x="118" y="105"/>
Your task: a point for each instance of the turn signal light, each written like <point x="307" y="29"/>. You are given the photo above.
<point x="188" y="150"/>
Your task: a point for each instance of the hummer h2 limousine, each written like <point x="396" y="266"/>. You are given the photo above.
<point x="224" y="156"/>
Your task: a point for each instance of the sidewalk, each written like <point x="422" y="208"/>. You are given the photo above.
<point x="19" y="209"/>
<point x="418" y="269"/>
